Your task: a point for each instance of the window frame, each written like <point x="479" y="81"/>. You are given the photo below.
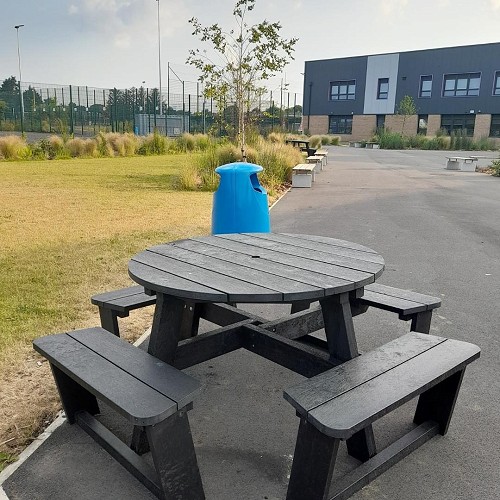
<point x="380" y="94"/>
<point x="456" y="77"/>
<point x="496" y="84"/>
<point x="495" y="126"/>
<point x="348" y="94"/>
<point x="344" y="128"/>
<point x="420" y="91"/>
<point x="459" y="119"/>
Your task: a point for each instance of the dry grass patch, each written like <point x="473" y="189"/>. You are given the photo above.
<point x="68" y="230"/>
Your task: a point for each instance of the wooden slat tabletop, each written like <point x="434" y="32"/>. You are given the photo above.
<point x="257" y="267"/>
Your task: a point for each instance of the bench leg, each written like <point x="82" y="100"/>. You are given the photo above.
<point x="74" y="397"/>
<point x="109" y="320"/>
<point x="174" y="458"/>
<point x="421" y="322"/>
<point x="313" y="464"/>
<point x="438" y="402"/>
<point x="342" y="345"/>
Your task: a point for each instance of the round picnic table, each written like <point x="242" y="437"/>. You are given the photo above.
<point x="203" y="272"/>
<point x="255" y="268"/>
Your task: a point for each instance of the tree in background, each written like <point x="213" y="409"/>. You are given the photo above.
<point x="246" y="57"/>
<point x="406" y="107"/>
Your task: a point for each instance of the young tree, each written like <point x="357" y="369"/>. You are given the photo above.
<point x="246" y="56"/>
<point x="406" y="107"/>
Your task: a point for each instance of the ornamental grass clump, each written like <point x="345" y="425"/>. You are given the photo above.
<point x="13" y="147"/>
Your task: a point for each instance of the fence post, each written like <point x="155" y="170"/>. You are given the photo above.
<point x="71" y="128"/>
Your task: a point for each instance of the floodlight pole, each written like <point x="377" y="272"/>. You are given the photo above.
<point x="20" y="78"/>
<point x="159" y="54"/>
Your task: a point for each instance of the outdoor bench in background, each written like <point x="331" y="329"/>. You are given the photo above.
<point x="339" y="403"/>
<point x="152" y="395"/>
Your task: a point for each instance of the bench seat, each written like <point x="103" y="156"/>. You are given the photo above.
<point x="93" y="364"/>
<point x="409" y="305"/>
<point x="342" y="401"/>
<point x="118" y="304"/>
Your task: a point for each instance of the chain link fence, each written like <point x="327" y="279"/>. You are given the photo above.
<point x="85" y="111"/>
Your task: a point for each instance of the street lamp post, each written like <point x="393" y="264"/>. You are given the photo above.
<point x="20" y="78"/>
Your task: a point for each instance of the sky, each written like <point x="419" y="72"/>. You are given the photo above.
<point x="114" y="43"/>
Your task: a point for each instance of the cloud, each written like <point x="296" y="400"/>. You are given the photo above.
<point x="391" y="7"/>
<point x="495" y="4"/>
<point x="126" y="20"/>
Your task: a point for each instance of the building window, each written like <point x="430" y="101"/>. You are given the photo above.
<point x="380" y="121"/>
<point x="383" y="88"/>
<point x="465" y="84"/>
<point x="422" y="124"/>
<point x="453" y="123"/>
<point x="343" y="90"/>
<point x="340" y="124"/>
<point x="425" y="86"/>
<point x="495" y="126"/>
<point x="496" y="86"/>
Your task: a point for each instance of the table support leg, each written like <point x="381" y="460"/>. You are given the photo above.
<point x="165" y="333"/>
<point x="339" y="329"/>
<point x="167" y="323"/>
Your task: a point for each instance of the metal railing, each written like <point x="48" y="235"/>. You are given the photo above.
<point x="85" y="111"/>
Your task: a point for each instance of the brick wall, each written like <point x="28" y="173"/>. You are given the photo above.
<point x="362" y="128"/>
<point x="318" y="124"/>
<point x="395" y="124"/>
<point x="482" y="126"/>
<point x="433" y="124"/>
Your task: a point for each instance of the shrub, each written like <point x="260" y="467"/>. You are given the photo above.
<point x="391" y="140"/>
<point x="185" y="143"/>
<point x="13" y="147"/>
<point x="189" y="179"/>
<point x="154" y="144"/>
<point x="82" y="147"/>
<point x="276" y="137"/>
<point x="496" y="168"/>
<point x="104" y="148"/>
<point x="315" y="141"/>
<point x="202" y="142"/>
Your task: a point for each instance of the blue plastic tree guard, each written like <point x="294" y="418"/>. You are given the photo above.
<point x="240" y="204"/>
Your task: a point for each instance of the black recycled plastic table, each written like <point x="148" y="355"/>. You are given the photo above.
<point x="205" y="277"/>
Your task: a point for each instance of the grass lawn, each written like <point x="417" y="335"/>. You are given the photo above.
<point x="68" y="230"/>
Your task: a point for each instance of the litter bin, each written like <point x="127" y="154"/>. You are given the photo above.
<point x="240" y="204"/>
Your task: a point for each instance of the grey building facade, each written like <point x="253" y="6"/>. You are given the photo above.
<point x="454" y="88"/>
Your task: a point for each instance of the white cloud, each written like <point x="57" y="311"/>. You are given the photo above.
<point x="495" y="4"/>
<point x="391" y="7"/>
<point x="126" y="20"/>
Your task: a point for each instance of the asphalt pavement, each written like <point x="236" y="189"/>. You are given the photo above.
<point x="439" y="233"/>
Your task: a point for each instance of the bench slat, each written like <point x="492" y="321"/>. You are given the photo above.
<point x="107" y="381"/>
<point x="431" y="302"/>
<point x="318" y="390"/>
<point x="125" y="304"/>
<point x="160" y="376"/>
<point x="393" y="304"/>
<point x="101" y="298"/>
<point x="353" y="410"/>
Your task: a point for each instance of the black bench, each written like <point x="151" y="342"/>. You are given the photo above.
<point x="413" y="306"/>
<point x="152" y="395"/>
<point x="342" y="401"/>
<point x="118" y="304"/>
<point x="409" y="305"/>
